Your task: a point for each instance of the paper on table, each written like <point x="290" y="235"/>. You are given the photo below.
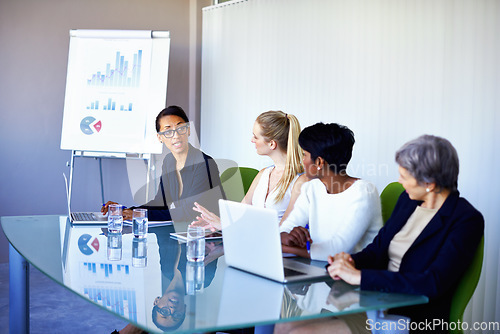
<point x="208" y="235"/>
<point x="151" y="223"/>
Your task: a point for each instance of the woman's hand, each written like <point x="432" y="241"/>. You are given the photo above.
<point x="340" y="256"/>
<point x="302" y="252"/>
<point x="342" y="267"/>
<point x="199" y="222"/>
<point x="105" y="207"/>
<point x="126" y="213"/>
<point x="298" y="237"/>
<point x="207" y="219"/>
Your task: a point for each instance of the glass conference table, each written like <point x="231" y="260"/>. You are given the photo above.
<point x="150" y="284"/>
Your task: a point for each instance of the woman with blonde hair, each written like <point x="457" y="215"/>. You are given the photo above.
<point x="275" y="134"/>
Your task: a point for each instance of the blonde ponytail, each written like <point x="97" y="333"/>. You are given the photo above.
<point x="285" y="130"/>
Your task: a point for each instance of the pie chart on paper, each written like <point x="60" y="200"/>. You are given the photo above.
<point x="87" y="247"/>
<point x="89" y="125"/>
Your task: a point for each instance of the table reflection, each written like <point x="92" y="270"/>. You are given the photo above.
<point x="209" y="298"/>
<point x="320" y="297"/>
<point x="144" y="280"/>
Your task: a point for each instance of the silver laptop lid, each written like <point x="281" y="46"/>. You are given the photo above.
<point x="67" y="196"/>
<point x="93" y="218"/>
<point x="251" y="239"/>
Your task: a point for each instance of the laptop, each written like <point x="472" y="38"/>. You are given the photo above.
<point x="83" y="218"/>
<point x="252" y="243"/>
<point x="258" y="302"/>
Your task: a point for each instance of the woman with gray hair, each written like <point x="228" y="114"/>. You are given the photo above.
<point x="425" y="246"/>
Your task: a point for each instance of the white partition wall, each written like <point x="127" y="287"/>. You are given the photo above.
<point x="390" y="70"/>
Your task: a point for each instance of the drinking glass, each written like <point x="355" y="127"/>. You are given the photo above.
<point x="115" y="218"/>
<point x="139" y="252"/>
<point x="140" y="223"/>
<point x="195" y="244"/>
<point x="114" y="246"/>
<point x="195" y="277"/>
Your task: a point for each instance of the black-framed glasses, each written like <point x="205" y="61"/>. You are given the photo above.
<point x="165" y="312"/>
<point x="181" y="130"/>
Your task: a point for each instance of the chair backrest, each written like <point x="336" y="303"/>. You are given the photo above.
<point x="236" y="181"/>
<point x="389" y="197"/>
<point x="466" y="287"/>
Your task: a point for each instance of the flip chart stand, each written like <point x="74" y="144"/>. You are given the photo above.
<point x="106" y="155"/>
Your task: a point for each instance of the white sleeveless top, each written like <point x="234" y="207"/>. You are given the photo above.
<point x="259" y="196"/>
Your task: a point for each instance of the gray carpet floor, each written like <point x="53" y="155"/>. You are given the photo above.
<point x="54" y="309"/>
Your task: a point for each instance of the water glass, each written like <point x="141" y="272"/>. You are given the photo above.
<point x="114" y="246"/>
<point x="139" y="252"/>
<point x="195" y="277"/>
<point x="195" y="244"/>
<point x="115" y="218"/>
<point x="140" y="223"/>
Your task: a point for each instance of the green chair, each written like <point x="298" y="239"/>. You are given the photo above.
<point x="466" y="287"/>
<point x="388" y="199"/>
<point x="236" y="181"/>
<point x="469" y="280"/>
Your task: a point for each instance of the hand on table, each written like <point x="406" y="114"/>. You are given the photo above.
<point x="302" y="252"/>
<point x="126" y="213"/>
<point x="298" y="237"/>
<point x="342" y="267"/>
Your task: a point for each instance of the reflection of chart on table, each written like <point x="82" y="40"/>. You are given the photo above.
<point x="104" y="271"/>
<point x="116" y="285"/>
<point x="120" y="301"/>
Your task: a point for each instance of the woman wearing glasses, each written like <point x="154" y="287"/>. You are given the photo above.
<point x="275" y="134"/>
<point x="188" y="174"/>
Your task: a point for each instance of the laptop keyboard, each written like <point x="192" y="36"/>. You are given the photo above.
<point x="83" y="216"/>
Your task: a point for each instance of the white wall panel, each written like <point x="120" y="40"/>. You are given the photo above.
<point x="390" y="70"/>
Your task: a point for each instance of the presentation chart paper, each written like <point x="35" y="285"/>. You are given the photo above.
<point x="116" y="85"/>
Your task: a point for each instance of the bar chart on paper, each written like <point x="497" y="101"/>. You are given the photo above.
<point x="121" y="301"/>
<point x="110" y="105"/>
<point x="123" y="73"/>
